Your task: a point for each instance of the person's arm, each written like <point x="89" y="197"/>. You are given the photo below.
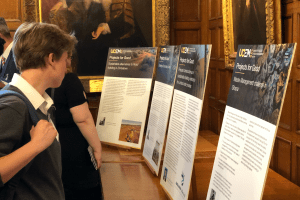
<point x="42" y="137"/>
<point x="84" y="120"/>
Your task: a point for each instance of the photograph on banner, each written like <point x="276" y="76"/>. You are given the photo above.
<point x="125" y="95"/>
<point x="184" y="122"/>
<point x="248" y="131"/>
<point x="160" y="106"/>
<point x="130" y="131"/>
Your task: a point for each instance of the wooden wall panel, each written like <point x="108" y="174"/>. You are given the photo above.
<point x="298" y="163"/>
<point x="221" y="116"/>
<point x="94" y="100"/>
<point x="213" y="75"/>
<point x="221" y="40"/>
<point x="223" y="85"/>
<point x="286" y="115"/>
<point x="287" y="1"/>
<point x="187" y="36"/>
<point x="298" y="106"/>
<point x="217" y="95"/>
<point x="214" y="34"/>
<point x="214" y="123"/>
<point x="213" y="9"/>
<point x="284" y="156"/>
<point x="297" y="55"/>
<point x="272" y="162"/>
<point x="287" y="29"/>
<point x="12" y="11"/>
<point x="183" y="12"/>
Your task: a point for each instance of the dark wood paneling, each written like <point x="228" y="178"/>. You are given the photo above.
<point x="214" y="123"/>
<point x="221" y="40"/>
<point x="284" y="156"/>
<point x="286" y="1"/>
<point x="297" y="55"/>
<point x="274" y="158"/>
<point x="214" y="35"/>
<point x="223" y="85"/>
<point x="186" y="36"/>
<point x="298" y="163"/>
<point x="221" y="116"/>
<point x="182" y="10"/>
<point x="213" y="75"/>
<point x="11" y="11"/>
<point x="213" y="9"/>
<point x="272" y="162"/>
<point x="287" y="29"/>
<point x="209" y="38"/>
<point x="298" y="106"/>
<point x="94" y="100"/>
<point x="286" y="115"/>
<point x="220" y="9"/>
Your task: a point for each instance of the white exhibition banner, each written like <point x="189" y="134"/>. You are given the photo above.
<point x="125" y="96"/>
<point x="248" y="131"/>
<point x="184" y="122"/>
<point x="160" y="106"/>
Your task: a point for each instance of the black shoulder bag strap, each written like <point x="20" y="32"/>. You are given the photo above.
<point x="8" y="190"/>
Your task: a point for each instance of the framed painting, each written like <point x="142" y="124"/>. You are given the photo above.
<point x="100" y="24"/>
<point x="249" y="22"/>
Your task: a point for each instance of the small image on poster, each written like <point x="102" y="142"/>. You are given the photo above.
<point x="130" y="131"/>
<point x="155" y="155"/>
<point x="212" y="195"/>
<point x="102" y="121"/>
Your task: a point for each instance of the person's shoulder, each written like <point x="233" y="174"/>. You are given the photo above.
<point x="71" y="76"/>
<point x="71" y="80"/>
<point x="12" y="102"/>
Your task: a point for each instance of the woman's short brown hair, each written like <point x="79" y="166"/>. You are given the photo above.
<point x="34" y="41"/>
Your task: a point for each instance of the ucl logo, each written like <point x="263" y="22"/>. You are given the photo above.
<point x="163" y="50"/>
<point x="116" y="51"/>
<point x="185" y="50"/>
<point x="245" y="53"/>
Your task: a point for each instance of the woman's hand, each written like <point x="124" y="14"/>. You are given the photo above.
<point x="98" y="158"/>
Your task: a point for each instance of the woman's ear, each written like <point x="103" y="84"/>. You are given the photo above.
<point x="49" y="60"/>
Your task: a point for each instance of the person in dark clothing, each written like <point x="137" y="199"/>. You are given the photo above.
<point x="42" y="53"/>
<point x="77" y="130"/>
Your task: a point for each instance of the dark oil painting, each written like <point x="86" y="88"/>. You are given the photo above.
<point x="98" y="25"/>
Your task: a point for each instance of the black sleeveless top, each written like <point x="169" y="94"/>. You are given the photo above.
<point x="78" y="171"/>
